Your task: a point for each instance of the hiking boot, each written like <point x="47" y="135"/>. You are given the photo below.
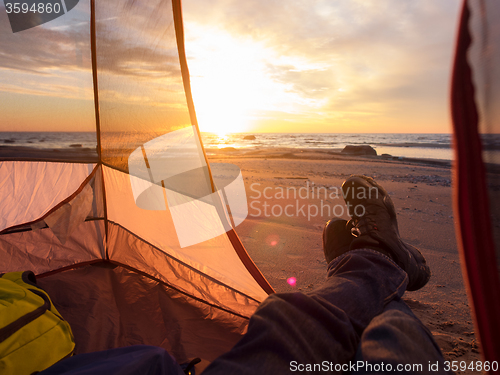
<point x="375" y="227"/>
<point x="337" y="238"/>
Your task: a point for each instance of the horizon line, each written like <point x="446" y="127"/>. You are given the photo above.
<point x="214" y="133"/>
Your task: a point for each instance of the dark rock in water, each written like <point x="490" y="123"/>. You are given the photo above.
<point x="386" y="156"/>
<point x="75" y="145"/>
<point x="249" y="137"/>
<point x="359" y="150"/>
<point x="9" y="141"/>
<point x="227" y="149"/>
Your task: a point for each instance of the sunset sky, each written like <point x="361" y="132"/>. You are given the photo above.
<point x="256" y="66"/>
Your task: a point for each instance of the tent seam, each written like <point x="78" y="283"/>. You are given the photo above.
<point x="130" y="268"/>
<point x="184" y="264"/>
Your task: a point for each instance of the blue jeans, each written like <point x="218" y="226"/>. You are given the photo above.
<point x="355" y="322"/>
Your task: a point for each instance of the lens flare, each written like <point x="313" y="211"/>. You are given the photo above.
<point x="291" y="281"/>
<point x="273" y="239"/>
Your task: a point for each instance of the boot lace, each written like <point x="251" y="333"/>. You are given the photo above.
<point x="365" y="224"/>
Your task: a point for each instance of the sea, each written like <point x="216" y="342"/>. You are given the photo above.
<point x="426" y="146"/>
<point x="432" y="146"/>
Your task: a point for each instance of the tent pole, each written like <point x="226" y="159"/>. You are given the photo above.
<point x="179" y="36"/>
<point x="233" y="237"/>
<point x="93" y="47"/>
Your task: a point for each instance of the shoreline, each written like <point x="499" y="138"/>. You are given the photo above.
<point x="21" y="153"/>
<point x="88" y="154"/>
<point x="312" y="153"/>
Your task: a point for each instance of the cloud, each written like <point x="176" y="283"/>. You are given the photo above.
<point x="38" y="48"/>
<point x="47" y="68"/>
<point x="41" y="49"/>
<point x="361" y="57"/>
<point x="137" y="60"/>
<point x="333" y="59"/>
<point x="324" y="25"/>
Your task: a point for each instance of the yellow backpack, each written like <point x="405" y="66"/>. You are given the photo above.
<point x="33" y="335"/>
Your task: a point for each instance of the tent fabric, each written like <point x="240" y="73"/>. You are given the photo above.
<point x="50" y="97"/>
<point x="484" y="58"/>
<point x="41" y="251"/>
<point x="27" y="188"/>
<point x="211" y="257"/>
<point x="70" y="232"/>
<point x="472" y="89"/>
<point x="130" y="250"/>
<point x="110" y="306"/>
<point x="46" y="81"/>
<point x="116" y="269"/>
<point x="140" y="87"/>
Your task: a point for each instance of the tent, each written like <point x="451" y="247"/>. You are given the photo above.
<point x="123" y="263"/>
<point x="475" y="98"/>
<point x="118" y="271"/>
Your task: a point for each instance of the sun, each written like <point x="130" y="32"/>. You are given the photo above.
<point x="222" y="101"/>
<point x="233" y="87"/>
<point x="217" y="112"/>
<point x="227" y="80"/>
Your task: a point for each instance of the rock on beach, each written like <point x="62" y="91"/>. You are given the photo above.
<point x="359" y="150"/>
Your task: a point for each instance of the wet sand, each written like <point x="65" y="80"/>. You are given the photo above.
<point x="74" y="154"/>
<point x="285" y="246"/>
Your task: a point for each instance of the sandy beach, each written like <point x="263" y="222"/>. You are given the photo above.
<point x="288" y="244"/>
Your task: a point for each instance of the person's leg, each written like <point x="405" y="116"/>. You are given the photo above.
<point x="395" y="337"/>
<point x="130" y="360"/>
<point x="398" y="342"/>
<point x="321" y="330"/>
<point x="290" y="331"/>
